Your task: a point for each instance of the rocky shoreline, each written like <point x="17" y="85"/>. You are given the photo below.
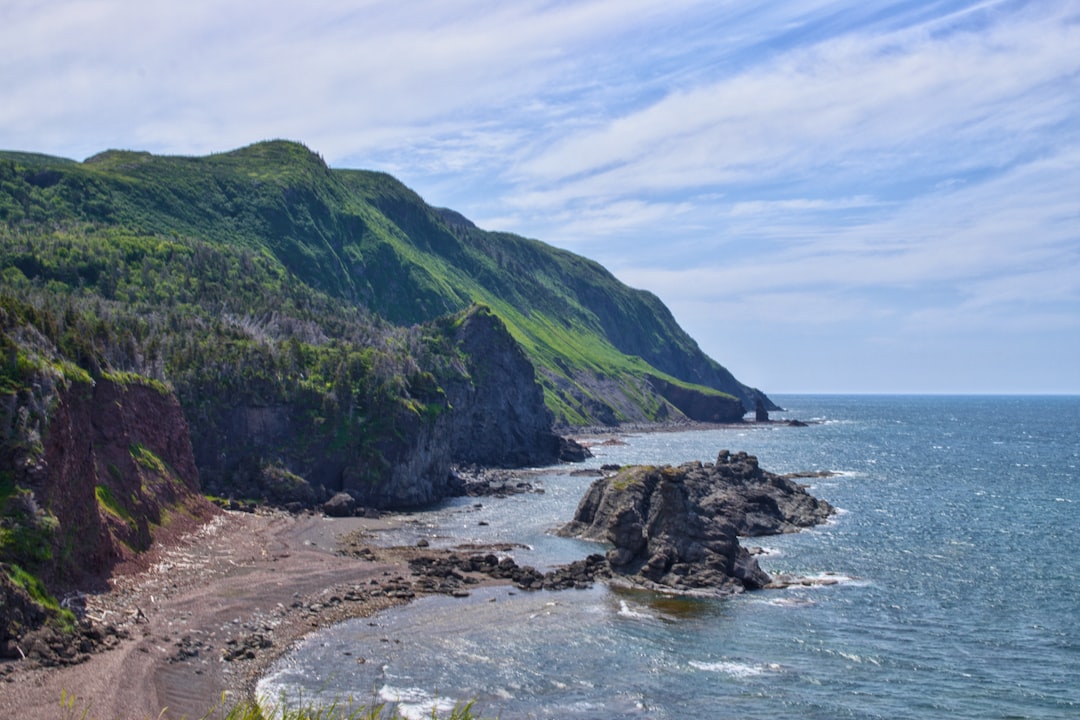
<point x="204" y="619"/>
<point x="168" y="638"/>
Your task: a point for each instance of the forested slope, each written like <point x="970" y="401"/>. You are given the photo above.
<point x="348" y="242"/>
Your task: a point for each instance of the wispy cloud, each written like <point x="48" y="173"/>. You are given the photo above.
<point x="856" y="106"/>
<point x="981" y="253"/>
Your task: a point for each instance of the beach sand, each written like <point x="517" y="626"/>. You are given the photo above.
<point x="246" y="586"/>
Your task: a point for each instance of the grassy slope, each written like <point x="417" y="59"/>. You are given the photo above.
<point x="363" y="238"/>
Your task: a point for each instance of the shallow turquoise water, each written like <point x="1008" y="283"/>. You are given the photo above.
<point x="958" y="545"/>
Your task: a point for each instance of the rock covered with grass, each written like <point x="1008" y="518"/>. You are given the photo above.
<point x="677" y="528"/>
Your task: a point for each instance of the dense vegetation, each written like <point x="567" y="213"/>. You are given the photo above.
<point x="270" y="236"/>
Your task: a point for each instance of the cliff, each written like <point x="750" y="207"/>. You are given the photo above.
<point x="95" y="472"/>
<point x="498" y="410"/>
<point x="677" y="528"/>
<point x="92" y="473"/>
<point x="481" y="405"/>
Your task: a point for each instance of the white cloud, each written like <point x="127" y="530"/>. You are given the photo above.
<point x="757" y="208"/>
<point x="859" y="104"/>
<point x="244" y="70"/>
<point x="1007" y="246"/>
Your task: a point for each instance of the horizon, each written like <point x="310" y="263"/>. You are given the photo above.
<point x="853" y="199"/>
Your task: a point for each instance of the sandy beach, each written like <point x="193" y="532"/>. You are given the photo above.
<point x="210" y="614"/>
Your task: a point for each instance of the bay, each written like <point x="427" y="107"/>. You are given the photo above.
<point x="956" y="546"/>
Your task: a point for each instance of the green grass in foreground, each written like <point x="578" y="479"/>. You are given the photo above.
<point x="247" y="710"/>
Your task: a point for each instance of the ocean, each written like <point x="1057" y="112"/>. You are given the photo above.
<point x="956" y="550"/>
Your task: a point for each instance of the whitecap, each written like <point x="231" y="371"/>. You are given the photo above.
<point x="414" y="703"/>
<point x="860" y="659"/>
<point x="790" y="602"/>
<point x="626" y="612"/>
<point x="734" y="668"/>
<point x="832" y="578"/>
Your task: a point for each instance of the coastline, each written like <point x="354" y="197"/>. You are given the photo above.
<point x="212" y="613"/>
<point x="247" y="587"/>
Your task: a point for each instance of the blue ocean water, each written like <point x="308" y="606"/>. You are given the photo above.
<point x="957" y="548"/>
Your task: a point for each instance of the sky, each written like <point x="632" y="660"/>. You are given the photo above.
<point x="830" y="196"/>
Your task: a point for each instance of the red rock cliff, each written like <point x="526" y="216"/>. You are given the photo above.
<point x="117" y="472"/>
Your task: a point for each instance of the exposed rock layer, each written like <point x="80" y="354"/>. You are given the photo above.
<point x="698" y="405"/>
<point x="116" y="470"/>
<point x="677" y="528"/>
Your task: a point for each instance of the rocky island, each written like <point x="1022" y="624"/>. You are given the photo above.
<point x="677" y="528"/>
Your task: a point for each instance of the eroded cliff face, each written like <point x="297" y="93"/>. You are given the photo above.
<point x="698" y="405"/>
<point x="109" y="471"/>
<point x="499" y="417"/>
<point x="493" y="414"/>
<point x="487" y="409"/>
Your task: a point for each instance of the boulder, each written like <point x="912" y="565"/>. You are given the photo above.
<point x="340" y="505"/>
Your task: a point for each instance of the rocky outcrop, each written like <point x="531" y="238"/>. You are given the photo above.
<point x="493" y="414"/>
<point x="677" y="528"/>
<point x="484" y="409"/>
<point x="116" y="470"/>
<point x="499" y="417"/>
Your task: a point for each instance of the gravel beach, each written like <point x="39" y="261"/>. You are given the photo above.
<point x="193" y="632"/>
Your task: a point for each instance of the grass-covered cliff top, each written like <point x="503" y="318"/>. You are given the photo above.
<point x="268" y="240"/>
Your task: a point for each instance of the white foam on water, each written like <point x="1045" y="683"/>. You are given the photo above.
<point x="414" y="703"/>
<point x="735" y="669"/>
<point x="790" y="602"/>
<point x="626" y="612"/>
<point x="859" y="658"/>
<point x="828" y="578"/>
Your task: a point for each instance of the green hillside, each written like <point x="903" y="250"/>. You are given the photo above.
<point x="338" y="241"/>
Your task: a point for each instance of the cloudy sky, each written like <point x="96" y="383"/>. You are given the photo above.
<point x="831" y="196"/>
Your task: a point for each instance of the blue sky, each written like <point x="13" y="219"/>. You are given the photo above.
<point x="830" y="196"/>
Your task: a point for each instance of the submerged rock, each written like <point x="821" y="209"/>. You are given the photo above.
<point x="677" y="528"/>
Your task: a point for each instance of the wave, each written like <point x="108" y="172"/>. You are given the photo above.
<point x="416" y="704"/>
<point x="626" y="612"/>
<point x="736" y="669"/>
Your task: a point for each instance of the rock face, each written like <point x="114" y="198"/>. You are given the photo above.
<point x="499" y="417"/>
<point x="677" y="528"/>
<point x="95" y="472"/>
<point x="489" y="410"/>
<point x="116" y="470"/>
